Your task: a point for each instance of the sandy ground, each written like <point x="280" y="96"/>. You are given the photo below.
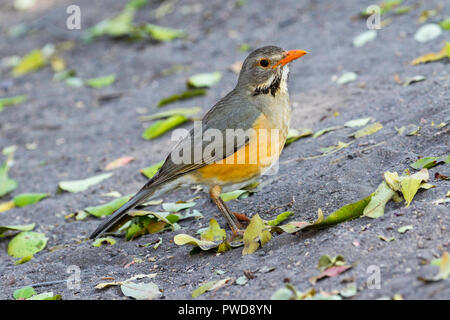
<point x="76" y="136"/>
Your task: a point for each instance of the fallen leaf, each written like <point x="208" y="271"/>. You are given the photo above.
<point x="346" y="78"/>
<point x="26" y="199"/>
<point x="105" y="285"/>
<point x="141" y="291"/>
<point x="364" y="38"/>
<point x="326" y="262"/>
<point x="122" y="161"/>
<point x="45" y="296"/>
<point x="101" y="82"/>
<point x="11" y="101"/>
<point x="150" y="171"/>
<point x="280" y="218"/>
<point x="326" y="130"/>
<point x="100" y="241"/>
<point x="82" y="185"/>
<point x="445" y="24"/>
<point x="204" y="80"/>
<point x="255" y="235"/>
<point x="233" y="195"/>
<point x="5" y="206"/>
<point x="160" y="33"/>
<point x="385" y="238"/>
<point x="26" y="244"/>
<point x="368" y="130"/>
<point x="444" y="270"/>
<point x="210" y="286"/>
<point x="242" y="280"/>
<point x="7" y="185"/>
<point x="23" y="227"/>
<point x="434" y="56"/>
<point x="162" y="126"/>
<point x="24" y="293"/>
<point x="349" y="291"/>
<point x="427" y="32"/>
<point x="175" y="207"/>
<point x="357" y="122"/>
<point x="329" y="273"/>
<point x="295" y="134"/>
<point x="411" y="184"/>
<point x="429" y="162"/>
<point x="407" y="81"/>
<point x="382" y="195"/>
<point x="405" y="228"/>
<point x="173" y="112"/>
<point x="182" y="96"/>
<point x="31" y="62"/>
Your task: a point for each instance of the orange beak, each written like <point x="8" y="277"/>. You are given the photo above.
<point x="290" y="56"/>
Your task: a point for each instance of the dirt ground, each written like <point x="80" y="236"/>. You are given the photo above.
<point x="76" y="136"/>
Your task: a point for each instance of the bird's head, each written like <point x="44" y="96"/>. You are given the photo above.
<point x="265" y="70"/>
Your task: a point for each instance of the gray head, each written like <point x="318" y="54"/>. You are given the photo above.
<point x="265" y="69"/>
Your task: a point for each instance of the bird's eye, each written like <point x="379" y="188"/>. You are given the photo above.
<point x="264" y="63"/>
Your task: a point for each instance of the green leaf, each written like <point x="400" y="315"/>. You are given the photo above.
<point x="382" y="195"/>
<point x="22" y="227"/>
<point x="149" y="172"/>
<point x="29" y="63"/>
<point x="368" y="130"/>
<point x="280" y="218"/>
<point x="445" y="24"/>
<point x="141" y="291"/>
<point x="46" y="296"/>
<point x="27" y="244"/>
<point x="26" y="199"/>
<point x="24" y="293"/>
<point x="326" y="130"/>
<point x="182" y="239"/>
<point x="160" y="33"/>
<point x="137" y="4"/>
<point x="107" y="208"/>
<point x="214" y="232"/>
<point x="232" y="195"/>
<point x="429" y="162"/>
<point x="101" y="82"/>
<point x="166" y="114"/>
<point x="182" y="96"/>
<point x="82" y="185"/>
<point x="161" y="126"/>
<point x="11" y="101"/>
<point x="326" y="262"/>
<point x="107" y="240"/>
<point x="204" y="80"/>
<point x="405" y="228"/>
<point x="175" y="207"/>
<point x="357" y="122"/>
<point x="411" y="184"/>
<point x="295" y="134"/>
<point x="7" y="185"/>
<point x="255" y="234"/>
<point x="210" y="286"/>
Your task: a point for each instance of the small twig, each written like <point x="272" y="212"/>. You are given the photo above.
<point x="43" y="284"/>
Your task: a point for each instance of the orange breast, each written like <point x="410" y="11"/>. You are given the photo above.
<point x="248" y="162"/>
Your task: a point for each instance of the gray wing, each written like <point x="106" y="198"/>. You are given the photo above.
<point x="231" y="112"/>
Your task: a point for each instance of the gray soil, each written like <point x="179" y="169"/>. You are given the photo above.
<point x="76" y="136"/>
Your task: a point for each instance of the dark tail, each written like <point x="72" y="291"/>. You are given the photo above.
<point x="120" y="215"/>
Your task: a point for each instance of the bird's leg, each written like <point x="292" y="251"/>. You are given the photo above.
<point x="233" y="222"/>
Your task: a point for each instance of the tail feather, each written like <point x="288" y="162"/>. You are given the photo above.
<point x="120" y="213"/>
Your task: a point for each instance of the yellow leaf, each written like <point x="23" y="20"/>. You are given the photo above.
<point x="255" y="235"/>
<point x="411" y="184"/>
<point x="58" y="64"/>
<point x="29" y="63"/>
<point x="433" y="56"/>
<point x="5" y="206"/>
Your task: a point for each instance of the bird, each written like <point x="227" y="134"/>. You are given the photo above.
<point x="257" y="111"/>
